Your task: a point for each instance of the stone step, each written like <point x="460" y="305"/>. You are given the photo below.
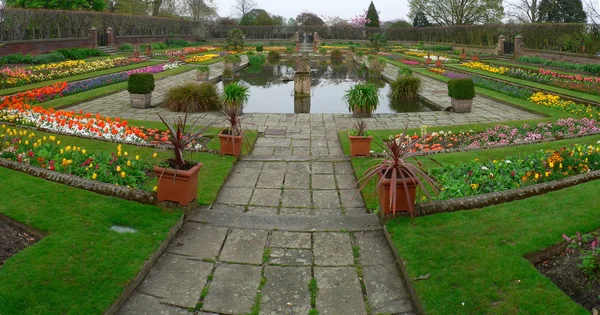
<point x="108" y="49"/>
<point x="316" y="223"/>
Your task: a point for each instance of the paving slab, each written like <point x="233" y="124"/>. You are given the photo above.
<point x="142" y="304"/>
<point x="291" y="240"/>
<point x="233" y="289"/>
<point x="346" y="181"/>
<point x="385" y="290"/>
<point x="297" y="168"/>
<point x="339" y="291"/>
<point x="244" y="246"/>
<point x="245" y="179"/>
<point x="198" y="241"/>
<point x="326" y="199"/>
<point x="296" y="198"/>
<point x="332" y="249"/>
<point x="291" y="257"/>
<point x="176" y="280"/>
<point x="234" y="196"/>
<point x="274" y="167"/>
<point x="322" y="168"/>
<point x="286" y="291"/>
<point x="374" y="249"/>
<point x="321" y="181"/>
<point x="270" y="180"/>
<point x="266" y="197"/>
<point x="351" y="198"/>
<point x="297" y="181"/>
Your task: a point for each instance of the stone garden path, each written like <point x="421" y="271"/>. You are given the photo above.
<point x="289" y="214"/>
<point x="289" y="232"/>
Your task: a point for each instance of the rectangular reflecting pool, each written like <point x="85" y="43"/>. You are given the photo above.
<point x="271" y="88"/>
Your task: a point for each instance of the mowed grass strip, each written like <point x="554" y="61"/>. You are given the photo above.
<point x="80" y="266"/>
<point x="476" y="258"/>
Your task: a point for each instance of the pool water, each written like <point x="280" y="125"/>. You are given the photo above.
<point x="270" y="94"/>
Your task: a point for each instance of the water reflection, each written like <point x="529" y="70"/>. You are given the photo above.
<point x="271" y="93"/>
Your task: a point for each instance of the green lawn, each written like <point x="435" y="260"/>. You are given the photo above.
<point x="476" y="257"/>
<point x="549" y="88"/>
<point x="74" y="78"/>
<point x="80" y="266"/>
<point x="210" y="179"/>
<point x="70" y="100"/>
<point x="361" y="164"/>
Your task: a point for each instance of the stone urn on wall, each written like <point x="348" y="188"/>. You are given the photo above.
<point x="140" y="87"/>
<point x="461" y="92"/>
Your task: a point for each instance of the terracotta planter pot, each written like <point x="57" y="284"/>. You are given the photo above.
<point x="461" y="106"/>
<point x="359" y="113"/>
<point x="171" y="59"/>
<point x="428" y="61"/>
<point x="463" y="56"/>
<point x="202" y="76"/>
<point x="181" y="57"/>
<point x="148" y="52"/>
<point x="438" y="63"/>
<point x="402" y="203"/>
<point x="360" y="146"/>
<point x="475" y="58"/>
<point x="136" y="54"/>
<point x="177" y="185"/>
<point x="230" y="145"/>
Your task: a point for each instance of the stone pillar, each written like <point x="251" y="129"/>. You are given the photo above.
<point x="302" y="65"/>
<point x="500" y="45"/>
<point x="94" y="36"/>
<point x="350" y="56"/>
<point x="302" y="83"/>
<point x="302" y="105"/>
<point x="519" y="45"/>
<point x="297" y="37"/>
<point x="110" y="37"/>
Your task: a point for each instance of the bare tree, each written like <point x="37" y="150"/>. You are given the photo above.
<point x="242" y="7"/>
<point x="524" y="11"/>
<point x="201" y="9"/>
<point x="593" y="11"/>
<point x="458" y="12"/>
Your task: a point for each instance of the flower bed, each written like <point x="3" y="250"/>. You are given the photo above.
<point x="46" y="152"/>
<point x="62" y="89"/>
<point x="185" y="51"/>
<point x="425" y="55"/>
<point x="589" y="85"/>
<point x="80" y="124"/>
<point x="19" y="76"/>
<point x="274" y="48"/>
<point x="207" y="57"/>
<point x="503" y="135"/>
<point x="477" y="177"/>
<point x="540" y="98"/>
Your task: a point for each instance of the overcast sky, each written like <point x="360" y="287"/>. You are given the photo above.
<point x="389" y="9"/>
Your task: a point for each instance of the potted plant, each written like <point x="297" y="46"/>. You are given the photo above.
<point x="202" y="73"/>
<point x="362" y="99"/>
<point x="140" y="87"/>
<point x="234" y="95"/>
<point x="475" y="57"/>
<point x="182" y="57"/>
<point x="438" y="62"/>
<point x="229" y="61"/>
<point x="237" y="60"/>
<point x="463" y="55"/>
<point x="398" y="175"/>
<point x="461" y="92"/>
<point x="360" y="140"/>
<point x="149" y="51"/>
<point x="231" y="138"/>
<point x="178" y="177"/>
<point x="428" y="60"/>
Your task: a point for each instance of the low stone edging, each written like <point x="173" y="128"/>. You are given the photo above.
<point x="400" y="264"/>
<point x="114" y="308"/>
<point x="494" y="198"/>
<point x="136" y="195"/>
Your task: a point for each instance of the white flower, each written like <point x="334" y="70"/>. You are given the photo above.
<point x="508" y="161"/>
<point x="483" y="168"/>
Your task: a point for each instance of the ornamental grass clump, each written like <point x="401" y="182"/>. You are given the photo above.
<point x="362" y="99"/>
<point x="405" y="87"/>
<point x="337" y="54"/>
<point x="274" y="55"/>
<point x="193" y="97"/>
<point x="235" y="95"/>
<point x="181" y="137"/>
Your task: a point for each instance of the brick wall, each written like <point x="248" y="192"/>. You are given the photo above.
<point x="138" y="40"/>
<point x="36" y="47"/>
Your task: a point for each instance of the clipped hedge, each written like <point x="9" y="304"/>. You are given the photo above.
<point x="140" y="83"/>
<point x="461" y="89"/>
